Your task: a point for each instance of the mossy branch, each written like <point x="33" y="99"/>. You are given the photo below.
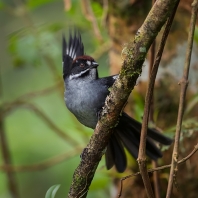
<point x="135" y="53"/>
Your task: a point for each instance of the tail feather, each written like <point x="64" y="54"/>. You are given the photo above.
<point x="152" y="133"/>
<point x="129" y="143"/>
<point x="132" y="137"/>
<point x="127" y="134"/>
<point x="152" y="150"/>
<point x="109" y="156"/>
<point x="116" y="155"/>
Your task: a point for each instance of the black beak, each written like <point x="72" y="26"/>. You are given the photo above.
<point x="94" y="64"/>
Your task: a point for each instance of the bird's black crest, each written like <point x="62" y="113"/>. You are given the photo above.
<point x="71" y="50"/>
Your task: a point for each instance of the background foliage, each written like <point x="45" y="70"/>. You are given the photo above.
<point x="35" y="118"/>
<point x="31" y="49"/>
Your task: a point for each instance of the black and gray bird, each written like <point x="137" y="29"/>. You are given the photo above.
<point x="85" y="94"/>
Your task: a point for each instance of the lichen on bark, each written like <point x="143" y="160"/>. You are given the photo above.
<point x="131" y="69"/>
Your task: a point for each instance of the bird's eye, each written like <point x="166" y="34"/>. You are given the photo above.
<point x="82" y="65"/>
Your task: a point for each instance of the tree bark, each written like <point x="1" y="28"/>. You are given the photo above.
<point x="134" y="55"/>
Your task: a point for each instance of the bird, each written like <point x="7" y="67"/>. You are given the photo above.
<point x="84" y="95"/>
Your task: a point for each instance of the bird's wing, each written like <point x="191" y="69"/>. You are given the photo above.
<point x="71" y="49"/>
<point x="109" y="80"/>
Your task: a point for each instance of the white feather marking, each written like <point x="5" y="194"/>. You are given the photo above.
<point x="115" y="77"/>
<point x="72" y="76"/>
<point x="73" y="53"/>
<point x="67" y="51"/>
<point x="88" y="62"/>
<point x="70" y="52"/>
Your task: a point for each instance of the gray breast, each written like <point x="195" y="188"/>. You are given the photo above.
<point x="84" y="100"/>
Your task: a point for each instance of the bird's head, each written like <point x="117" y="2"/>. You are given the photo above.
<point x="75" y="63"/>
<point x="83" y="65"/>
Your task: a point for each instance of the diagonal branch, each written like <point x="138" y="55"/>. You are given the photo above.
<point x="41" y="165"/>
<point x="4" y="146"/>
<point x="20" y="103"/>
<point x="135" y="54"/>
<point x="184" y="84"/>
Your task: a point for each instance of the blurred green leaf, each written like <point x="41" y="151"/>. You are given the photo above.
<point x="139" y="106"/>
<point x="196" y="34"/>
<point x="97" y="9"/>
<point x="75" y="16"/>
<point x="48" y="45"/>
<point x="52" y="191"/>
<point x="193" y="102"/>
<point x="31" y="38"/>
<point x="24" y="50"/>
<point x="100" y="181"/>
<point x="55" y="27"/>
<point x="2" y="5"/>
<point x="37" y="3"/>
<point x="28" y="49"/>
<point x="189" y="126"/>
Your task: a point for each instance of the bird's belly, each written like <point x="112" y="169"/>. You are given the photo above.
<point x="84" y="106"/>
<point x="86" y="118"/>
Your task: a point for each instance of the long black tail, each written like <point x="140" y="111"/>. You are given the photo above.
<point x="127" y="134"/>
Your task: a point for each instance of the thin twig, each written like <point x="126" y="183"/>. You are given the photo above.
<point x="156" y="182"/>
<point x="7" y="109"/>
<point x="105" y="12"/>
<point x="67" y="5"/>
<point x="52" y="66"/>
<point x="151" y="62"/>
<point x="184" y="84"/>
<point x="142" y="149"/>
<point x="12" y="184"/>
<point x="5" y="151"/>
<point x="32" y="95"/>
<point x="157" y="169"/>
<point x="104" y="47"/>
<point x="41" y="165"/>
<point x="88" y="12"/>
